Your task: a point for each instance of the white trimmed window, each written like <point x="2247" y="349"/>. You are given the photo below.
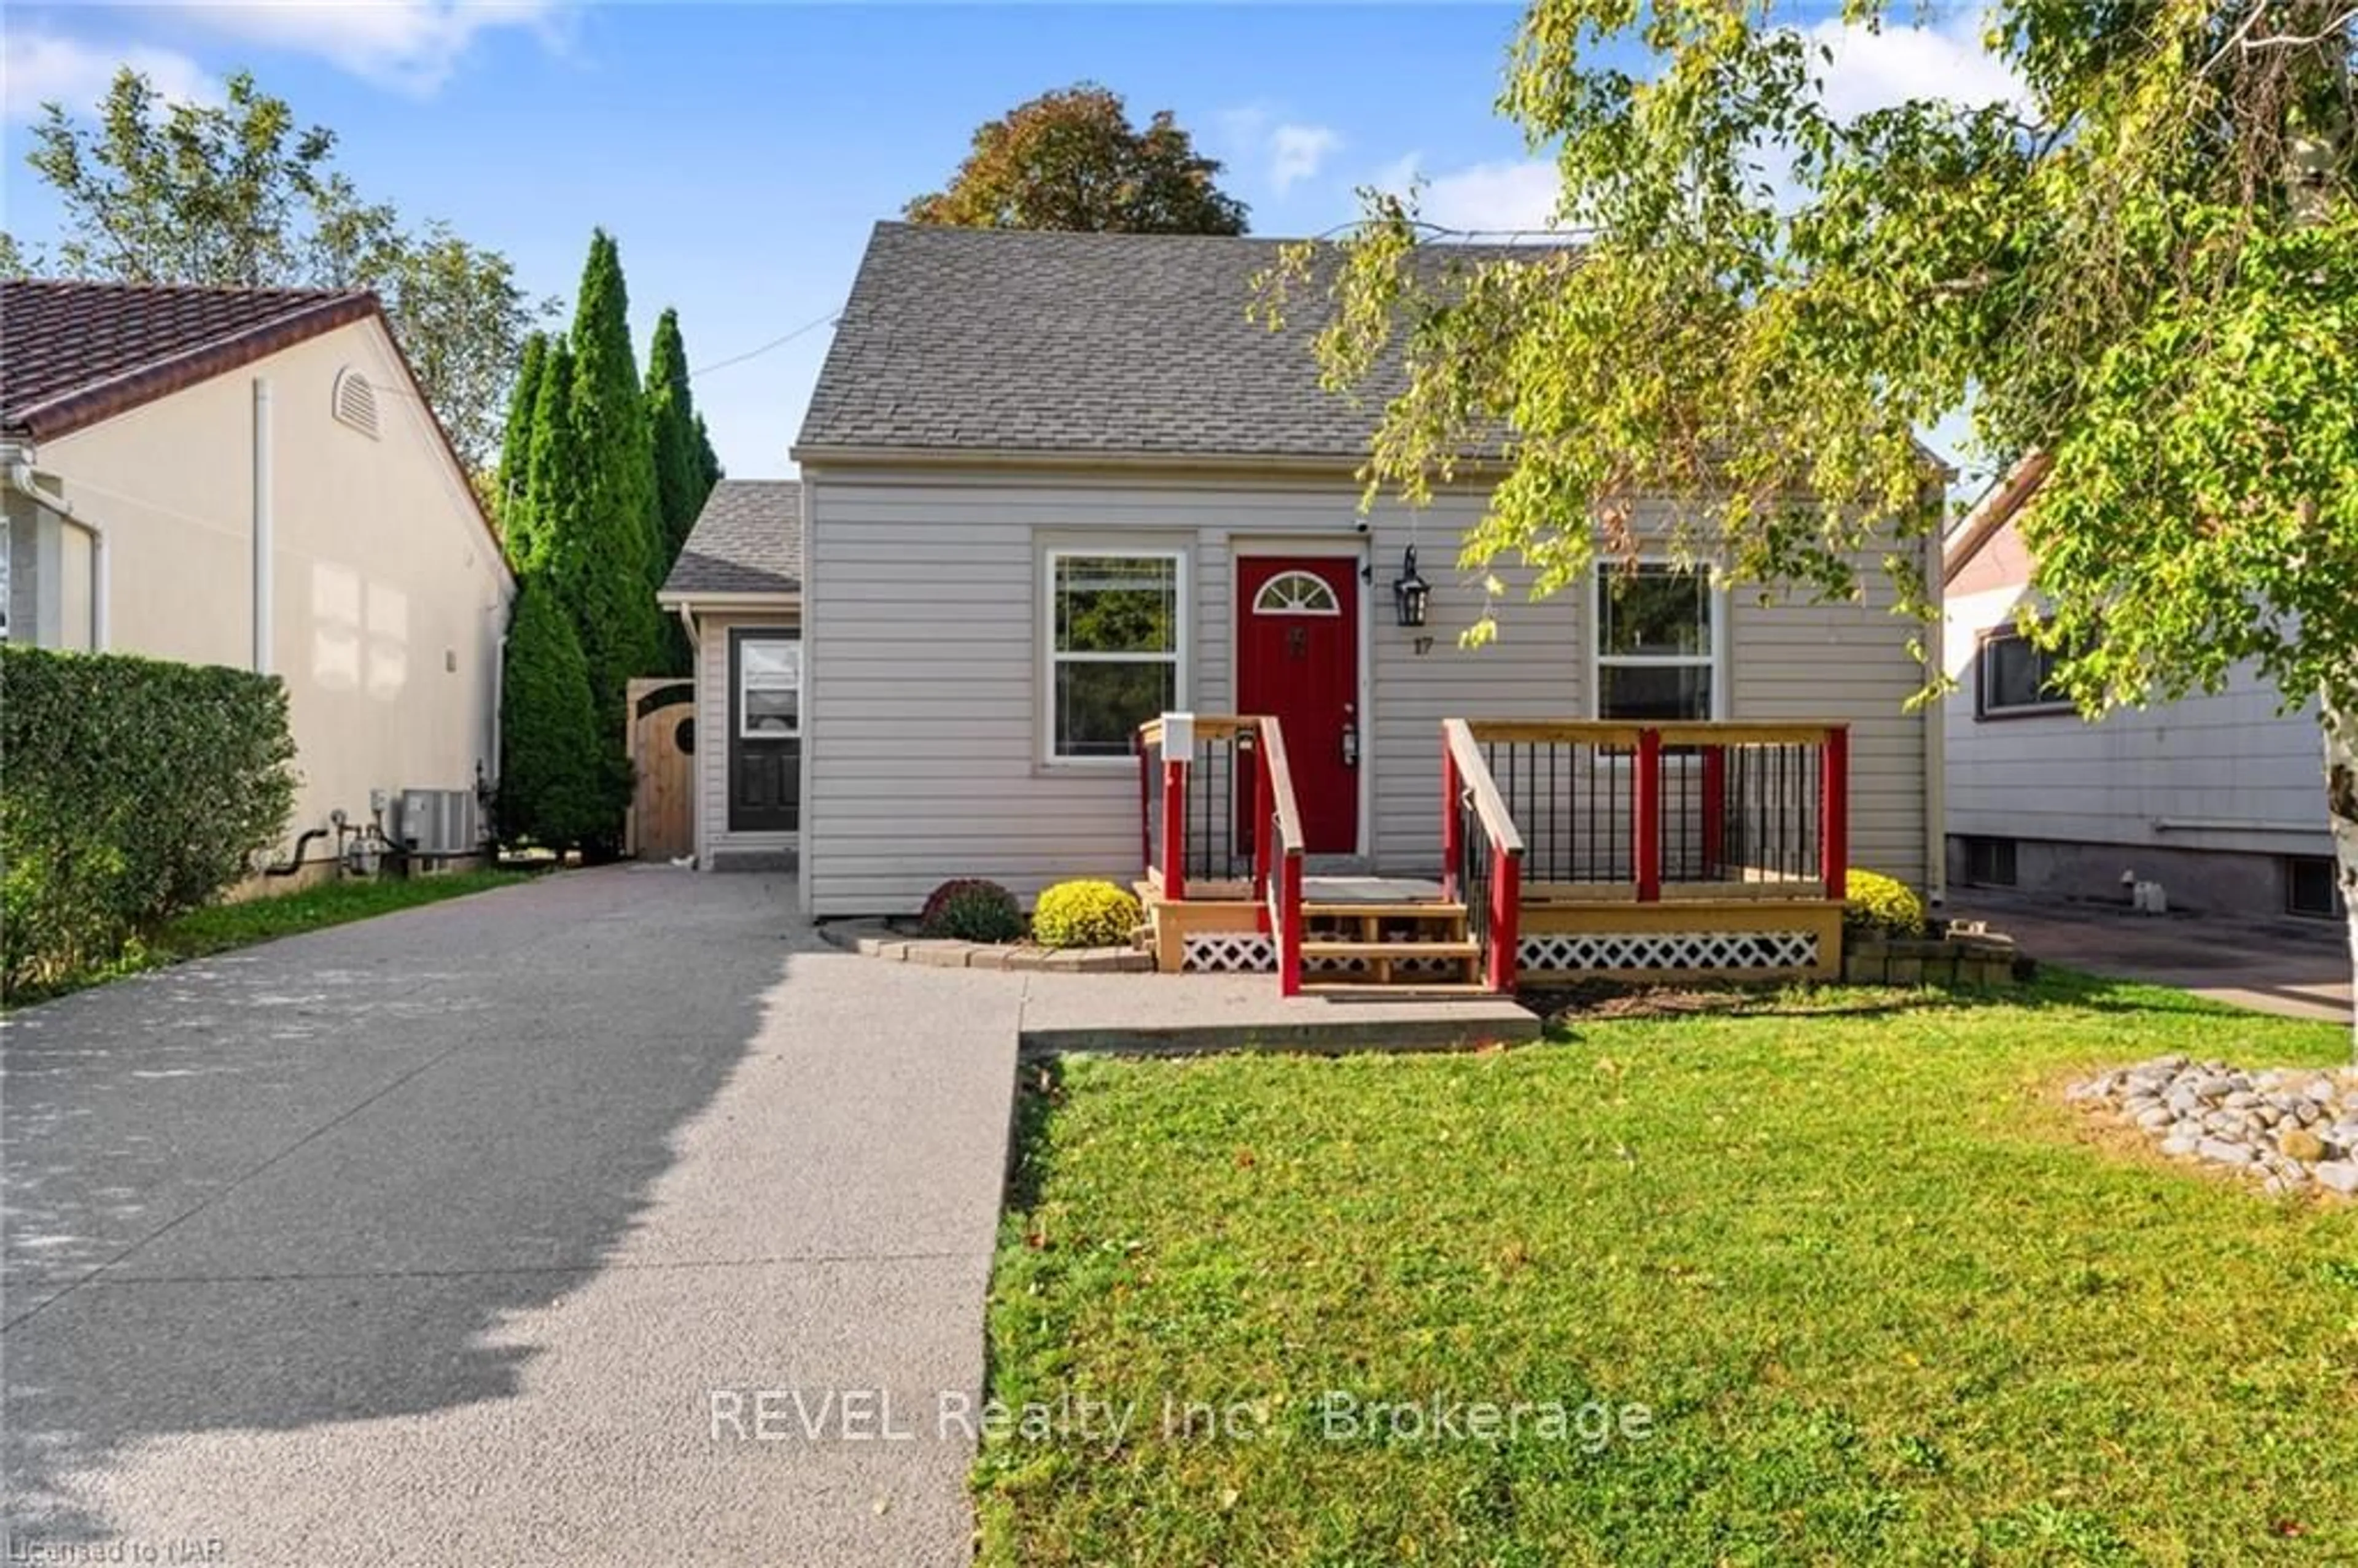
<point x="1656" y="630"/>
<point x="769" y="687"/>
<point x="1115" y="648"/>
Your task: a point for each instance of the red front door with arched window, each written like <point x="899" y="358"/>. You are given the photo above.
<point x="1298" y="658"/>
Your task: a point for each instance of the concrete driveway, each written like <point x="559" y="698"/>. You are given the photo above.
<point x="2301" y="970"/>
<point x="469" y="1235"/>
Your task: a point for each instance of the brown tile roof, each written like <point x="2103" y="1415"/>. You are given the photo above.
<point x="72" y="353"/>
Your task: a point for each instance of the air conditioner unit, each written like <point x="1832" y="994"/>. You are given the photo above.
<point x="439" y="822"/>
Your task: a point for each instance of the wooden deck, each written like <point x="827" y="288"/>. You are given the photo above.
<point x="1568" y="850"/>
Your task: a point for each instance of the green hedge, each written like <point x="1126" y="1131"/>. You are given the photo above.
<point x="130" y="790"/>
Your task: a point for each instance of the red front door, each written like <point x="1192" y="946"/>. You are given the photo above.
<point x="1298" y="658"/>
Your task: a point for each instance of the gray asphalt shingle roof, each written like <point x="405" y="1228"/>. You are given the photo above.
<point x="1002" y="341"/>
<point x="747" y="539"/>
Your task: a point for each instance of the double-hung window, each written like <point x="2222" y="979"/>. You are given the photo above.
<point x="1115" y="648"/>
<point x="768" y="688"/>
<point x="1657" y="627"/>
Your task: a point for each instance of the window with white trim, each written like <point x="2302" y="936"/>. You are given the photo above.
<point x="1656" y="631"/>
<point x="1115" y="643"/>
<point x="769" y="687"/>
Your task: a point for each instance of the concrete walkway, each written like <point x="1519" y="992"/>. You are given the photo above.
<point x="433" y="1238"/>
<point x="2300" y="971"/>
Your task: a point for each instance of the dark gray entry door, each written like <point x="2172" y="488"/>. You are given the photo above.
<point x="765" y="724"/>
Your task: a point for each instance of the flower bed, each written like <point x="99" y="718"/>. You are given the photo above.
<point x="900" y="942"/>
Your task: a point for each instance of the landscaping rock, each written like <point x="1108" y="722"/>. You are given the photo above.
<point x="2286" y="1130"/>
<point x="2301" y="1144"/>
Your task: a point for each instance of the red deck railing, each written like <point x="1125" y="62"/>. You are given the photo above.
<point x="1649" y="813"/>
<point x="1482" y="854"/>
<point x="1202" y="836"/>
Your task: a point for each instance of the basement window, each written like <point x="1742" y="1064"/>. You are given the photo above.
<point x="1989" y="863"/>
<point x="2309" y="888"/>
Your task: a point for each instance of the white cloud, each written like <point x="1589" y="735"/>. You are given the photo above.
<point x="1298" y="152"/>
<point x="1882" y="69"/>
<point x="42" y="66"/>
<point x="411" y="46"/>
<point x="1282" y="153"/>
<point x="1510" y="197"/>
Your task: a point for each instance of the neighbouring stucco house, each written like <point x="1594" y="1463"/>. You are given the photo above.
<point x="1054" y="485"/>
<point x="2219" y="798"/>
<point x="737" y="587"/>
<point x="250" y="477"/>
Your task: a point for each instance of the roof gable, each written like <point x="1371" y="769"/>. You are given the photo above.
<point x="73" y="352"/>
<point x="747" y="539"/>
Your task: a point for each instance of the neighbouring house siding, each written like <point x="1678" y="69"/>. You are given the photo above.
<point x="389" y="602"/>
<point x="925" y="734"/>
<point x="716" y="845"/>
<point x="2205" y="777"/>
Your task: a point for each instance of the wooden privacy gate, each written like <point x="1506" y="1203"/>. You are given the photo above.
<point x="660" y="737"/>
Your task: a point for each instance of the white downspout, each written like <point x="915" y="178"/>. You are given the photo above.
<point x="20" y="480"/>
<point x="262" y="527"/>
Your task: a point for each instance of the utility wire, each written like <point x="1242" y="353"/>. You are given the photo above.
<point x="813" y="325"/>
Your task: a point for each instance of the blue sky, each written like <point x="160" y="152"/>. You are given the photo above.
<point x="740" y="153"/>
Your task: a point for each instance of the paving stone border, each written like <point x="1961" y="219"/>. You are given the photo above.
<point x="1963" y="956"/>
<point x="879" y="939"/>
<point x="2290" y="1129"/>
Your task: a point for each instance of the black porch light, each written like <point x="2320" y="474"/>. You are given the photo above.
<point x="1410" y="592"/>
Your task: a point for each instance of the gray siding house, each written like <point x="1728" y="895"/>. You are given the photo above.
<point x="737" y="587"/>
<point x="2219" y="798"/>
<point x="1017" y="438"/>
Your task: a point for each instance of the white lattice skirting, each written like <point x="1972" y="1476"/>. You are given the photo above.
<point x="1604" y="952"/>
<point x="1229" y="953"/>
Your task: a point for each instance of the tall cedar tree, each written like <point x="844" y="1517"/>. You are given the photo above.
<point x="1072" y="160"/>
<point x="680" y="482"/>
<point x="557" y="779"/>
<point x="552" y="497"/>
<point x="601" y="554"/>
<point x="515" y="445"/>
<point x="708" y="462"/>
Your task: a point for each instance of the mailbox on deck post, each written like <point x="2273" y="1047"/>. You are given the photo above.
<point x="1178" y="754"/>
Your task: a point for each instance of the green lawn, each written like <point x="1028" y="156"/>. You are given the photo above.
<point x="225" y="925"/>
<point x="1883" y="1296"/>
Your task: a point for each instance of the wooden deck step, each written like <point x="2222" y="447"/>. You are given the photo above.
<point x="1404" y="991"/>
<point x="1321" y="909"/>
<point x="1316" y="947"/>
